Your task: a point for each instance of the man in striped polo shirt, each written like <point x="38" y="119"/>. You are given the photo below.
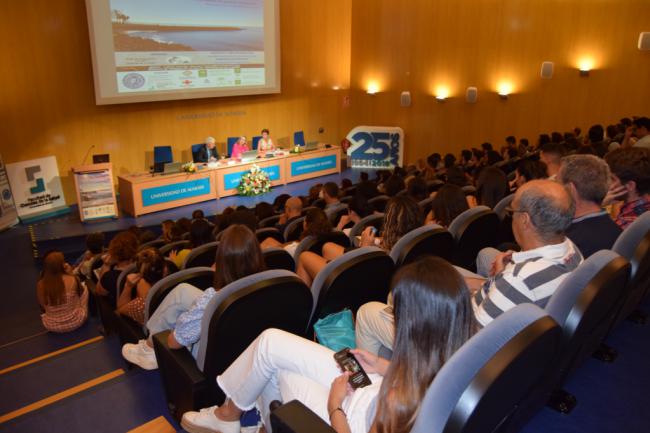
<point x="541" y="211"/>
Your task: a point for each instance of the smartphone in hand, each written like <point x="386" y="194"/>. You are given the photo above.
<point x="347" y="362"/>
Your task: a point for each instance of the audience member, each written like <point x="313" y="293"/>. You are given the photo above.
<point x="151" y="268"/>
<point x="346" y="183"/>
<point x="638" y="133"/>
<point x="449" y="202"/>
<point x="166" y="227"/>
<point x="63" y="300"/>
<point x="280" y="201"/>
<point x="121" y="254"/>
<point x="283" y="366"/>
<point x="182" y="309"/>
<point x="200" y="234"/>
<point x="198" y="214"/>
<point x="393" y="185"/>
<point x="631" y="183"/>
<point x="527" y="170"/>
<point x="551" y="154"/>
<point x="264" y="210"/>
<point x="402" y="215"/>
<point x="587" y="177"/>
<point x="542" y="210"/>
<point x="417" y="189"/>
<point x="316" y="224"/>
<point x="292" y="211"/>
<point x="596" y="140"/>
<point x="331" y="196"/>
<point x="357" y="210"/>
<point x="94" y="248"/>
<point x="491" y="186"/>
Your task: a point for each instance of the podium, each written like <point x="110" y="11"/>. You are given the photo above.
<point x="95" y="191"/>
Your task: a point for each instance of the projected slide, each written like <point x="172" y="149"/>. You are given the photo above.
<point x="158" y="47"/>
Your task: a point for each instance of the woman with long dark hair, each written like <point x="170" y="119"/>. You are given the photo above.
<point x="447" y="204"/>
<point x="402" y="215"/>
<point x="63" y="300"/>
<point x="181" y="311"/>
<point x="433" y="318"/>
<point x="491" y="186"/>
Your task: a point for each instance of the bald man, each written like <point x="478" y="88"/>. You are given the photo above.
<point x="292" y="211"/>
<point x="541" y="210"/>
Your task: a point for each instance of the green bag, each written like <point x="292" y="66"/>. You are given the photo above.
<point x="336" y="331"/>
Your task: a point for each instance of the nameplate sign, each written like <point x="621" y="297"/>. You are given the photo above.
<point x="232" y="180"/>
<point x="313" y="165"/>
<point x="175" y="191"/>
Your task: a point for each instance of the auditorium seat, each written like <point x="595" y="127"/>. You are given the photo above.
<point x="230" y="143"/>
<point x="308" y="208"/>
<point x="269" y="232"/>
<point x="506" y="236"/>
<point x="269" y="222"/>
<point x="315" y="243"/>
<point x="335" y="212"/>
<point x="293" y="230"/>
<point x="174" y="246"/>
<point x="278" y="258"/>
<point x="196" y="148"/>
<point x="500" y="208"/>
<point x="473" y="230"/>
<point x="156" y="243"/>
<point x="379" y="203"/>
<point x="469" y="190"/>
<point x="479" y="388"/>
<point x="349" y="281"/>
<point x="634" y="244"/>
<point x="425" y="205"/>
<point x="233" y="318"/>
<point x="584" y="305"/>
<point x="374" y="220"/>
<point x="256" y="141"/>
<point x="346" y="199"/>
<point x="200" y="277"/>
<point x="434" y="185"/>
<point x="428" y="240"/>
<point x="319" y="203"/>
<point x="203" y="255"/>
<point x="350" y="191"/>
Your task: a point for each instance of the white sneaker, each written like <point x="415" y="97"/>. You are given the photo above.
<point x="141" y="355"/>
<point x="205" y="421"/>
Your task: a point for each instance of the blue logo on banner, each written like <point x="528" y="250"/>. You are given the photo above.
<point x="175" y="191"/>
<point x="231" y="180"/>
<point x="312" y="165"/>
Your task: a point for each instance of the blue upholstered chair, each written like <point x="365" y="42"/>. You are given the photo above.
<point x="230" y="143"/>
<point x="203" y="255"/>
<point x="351" y="280"/>
<point x="195" y="150"/>
<point x="278" y="258"/>
<point x="430" y="239"/>
<point x="473" y="230"/>
<point x="269" y="232"/>
<point x="585" y="305"/>
<point x="375" y="220"/>
<point x="256" y="141"/>
<point x="299" y="138"/>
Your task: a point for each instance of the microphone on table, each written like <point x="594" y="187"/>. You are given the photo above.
<point x="92" y="146"/>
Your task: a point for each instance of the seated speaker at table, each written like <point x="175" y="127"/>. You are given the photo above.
<point x="265" y="144"/>
<point x="208" y="152"/>
<point x="239" y="148"/>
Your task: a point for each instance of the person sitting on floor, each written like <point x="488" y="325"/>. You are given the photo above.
<point x="151" y="268"/>
<point x="631" y="174"/>
<point x="282" y="366"/>
<point x="63" y="300"/>
<point x="587" y="179"/>
<point x="402" y="215"/>
<point x="121" y="254"/>
<point x="181" y="311"/>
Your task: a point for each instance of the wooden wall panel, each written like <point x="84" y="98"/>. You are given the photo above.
<point x="47" y="96"/>
<point x="420" y="44"/>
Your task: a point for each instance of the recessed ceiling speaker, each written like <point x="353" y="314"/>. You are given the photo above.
<point x="405" y="99"/>
<point x="644" y="41"/>
<point x="471" y="95"/>
<point x="547" y="70"/>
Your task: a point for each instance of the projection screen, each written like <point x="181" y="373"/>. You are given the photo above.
<point x="157" y="50"/>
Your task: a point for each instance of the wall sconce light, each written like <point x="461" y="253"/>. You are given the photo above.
<point x="547" y="70"/>
<point x="373" y="88"/>
<point x="585" y="66"/>
<point x="405" y="99"/>
<point x="504" y="90"/>
<point x="471" y="95"/>
<point x="442" y="93"/>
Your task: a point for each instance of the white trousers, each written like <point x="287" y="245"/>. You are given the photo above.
<point x="282" y="366"/>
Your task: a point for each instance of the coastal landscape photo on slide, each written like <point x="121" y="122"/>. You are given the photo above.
<point x="187" y="44"/>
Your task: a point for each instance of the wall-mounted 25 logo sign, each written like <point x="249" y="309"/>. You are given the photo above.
<point x="40" y="183"/>
<point x="376" y="147"/>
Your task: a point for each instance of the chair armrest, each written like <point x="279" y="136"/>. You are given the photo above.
<point x="295" y="417"/>
<point x="182" y="359"/>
